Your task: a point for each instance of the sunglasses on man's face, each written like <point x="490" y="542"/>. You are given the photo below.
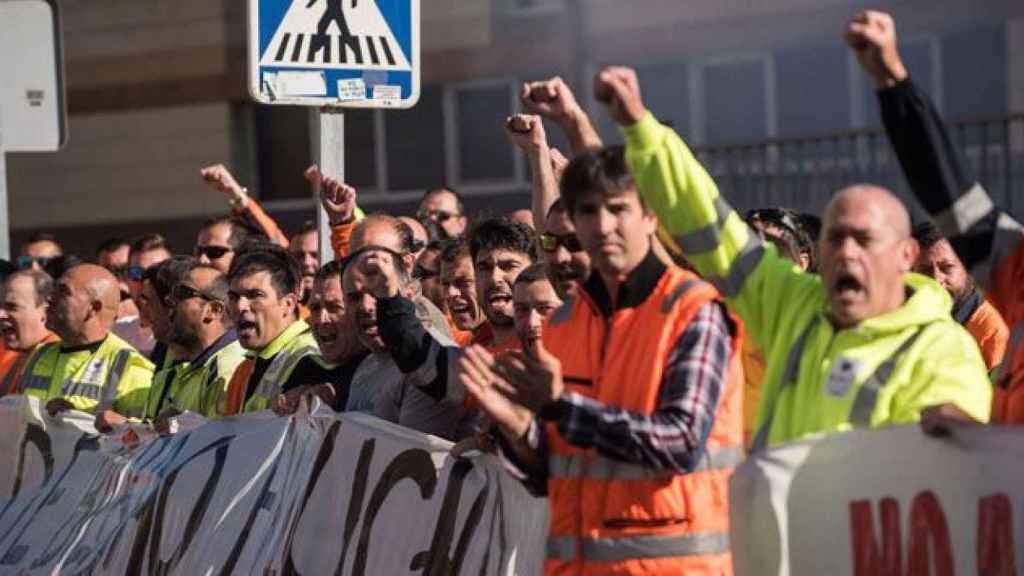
<point x="550" y="242"/>
<point x="211" y="252"/>
<point x="25" y="262"/>
<point x="441" y="216"/>
<point x="183" y="292"/>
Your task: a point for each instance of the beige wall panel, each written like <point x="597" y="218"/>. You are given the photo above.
<point x="123" y="167"/>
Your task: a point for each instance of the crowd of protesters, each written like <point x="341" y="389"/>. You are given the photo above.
<point x="621" y="359"/>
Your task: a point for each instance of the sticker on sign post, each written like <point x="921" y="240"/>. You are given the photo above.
<point x="350" y="44"/>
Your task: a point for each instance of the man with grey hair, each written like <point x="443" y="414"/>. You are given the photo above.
<point x="23" y="321"/>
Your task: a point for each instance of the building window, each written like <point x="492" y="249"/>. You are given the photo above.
<point x="475" y="114"/>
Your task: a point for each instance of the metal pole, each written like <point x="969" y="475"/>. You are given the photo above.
<point x="329" y="154"/>
<point x="5" y="217"/>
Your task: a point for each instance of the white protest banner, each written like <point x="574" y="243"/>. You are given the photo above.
<point x="887" y="502"/>
<point x="309" y="494"/>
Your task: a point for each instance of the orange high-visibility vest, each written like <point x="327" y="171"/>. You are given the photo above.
<point x="613" y="517"/>
<point x="1005" y="294"/>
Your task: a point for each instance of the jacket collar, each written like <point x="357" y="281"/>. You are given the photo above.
<point x="964" y="309"/>
<point x="221" y="343"/>
<point x="639" y="284"/>
<point x="297" y="328"/>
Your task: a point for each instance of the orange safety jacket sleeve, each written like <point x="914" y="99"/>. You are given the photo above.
<point x="341" y="238"/>
<point x="988" y="241"/>
<point x="253" y="214"/>
<point x="673" y="436"/>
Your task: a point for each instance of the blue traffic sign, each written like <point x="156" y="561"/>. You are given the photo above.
<point x="348" y="53"/>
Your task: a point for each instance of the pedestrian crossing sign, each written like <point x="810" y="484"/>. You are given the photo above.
<point x="348" y="53"/>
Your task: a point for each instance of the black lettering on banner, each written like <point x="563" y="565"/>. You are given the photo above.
<point x="154" y="524"/>
<point x="497" y="523"/>
<point x="35" y="435"/>
<point x="436" y="560"/>
<point x="355" y="502"/>
<point x="98" y="498"/>
<point x="43" y="497"/>
<point x="414" y="464"/>
<point x="264" y="496"/>
<point x="322" y="456"/>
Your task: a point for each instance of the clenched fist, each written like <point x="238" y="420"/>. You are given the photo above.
<point x="619" y="89"/>
<point x="872" y="37"/>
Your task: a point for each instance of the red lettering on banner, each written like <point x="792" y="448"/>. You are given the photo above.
<point x="929" y="538"/>
<point x="995" y="536"/>
<point x="867" y="559"/>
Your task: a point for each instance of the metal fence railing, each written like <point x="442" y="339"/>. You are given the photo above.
<point x="803" y="173"/>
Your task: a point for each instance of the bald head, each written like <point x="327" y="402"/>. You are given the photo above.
<point x="866" y="250"/>
<point x="880" y="202"/>
<point x="99" y="283"/>
<point x="84" y="306"/>
<point x="381" y="230"/>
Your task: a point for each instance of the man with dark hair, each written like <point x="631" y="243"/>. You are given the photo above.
<point x="90" y="369"/>
<point x="445" y="207"/>
<point x="40" y="248"/>
<point x="26" y="295"/>
<point x="206" y="346"/>
<point x="113" y="255"/>
<point x="330" y="375"/>
<point x="305" y="248"/>
<point x="146" y="251"/>
<point x="630" y="403"/>
<point x="535" y="300"/>
<point x="218" y="241"/>
<point x="566" y="262"/>
<point x="938" y="260"/>
<point x="157" y="282"/>
<point x="263" y="301"/>
<point x="500" y="249"/>
<point x="458" y="282"/>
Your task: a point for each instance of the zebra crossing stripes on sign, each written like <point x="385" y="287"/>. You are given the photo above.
<point x="314" y="52"/>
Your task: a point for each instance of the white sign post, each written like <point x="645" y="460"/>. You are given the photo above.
<point x="334" y="54"/>
<point x="33" y="115"/>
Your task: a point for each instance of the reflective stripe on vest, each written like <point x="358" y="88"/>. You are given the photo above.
<point x="29" y="380"/>
<point x="867" y="396"/>
<point x="110" y="386"/>
<point x="598" y="467"/>
<point x="640" y="546"/>
<point x="5" y="386"/>
<point x="788" y="379"/>
<point x="1000" y="372"/>
<point x="282" y="364"/>
<point x="742" y="267"/>
<point x="709" y="237"/>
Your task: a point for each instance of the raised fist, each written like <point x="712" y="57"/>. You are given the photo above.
<point x="337" y="198"/>
<point x="872" y="37"/>
<point x="219" y="177"/>
<point x="551" y="99"/>
<point x="619" y="89"/>
<point x="526" y="131"/>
